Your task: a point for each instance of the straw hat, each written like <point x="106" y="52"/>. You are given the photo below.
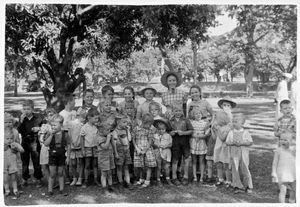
<point x="162" y="120"/>
<point x="226" y="99"/>
<point x="164" y="77"/>
<point x="142" y="92"/>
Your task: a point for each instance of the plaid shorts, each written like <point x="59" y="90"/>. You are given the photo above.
<point x="76" y="153"/>
<point x="145" y="160"/>
<point x="90" y="152"/>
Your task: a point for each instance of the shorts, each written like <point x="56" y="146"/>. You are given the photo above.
<point x="76" y="153"/>
<point x="157" y="156"/>
<point x="145" y="160"/>
<point x="124" y="155"/>
<point x="57" y="158"/>
<point x="106" y="160"/>
<point x="44" y="155"/>
<point x="10" y="164"/>
<point x="180" y="148"/>
<point x="90" y="152"/>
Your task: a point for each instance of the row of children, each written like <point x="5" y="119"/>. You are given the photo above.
<point x="126" y="133"/>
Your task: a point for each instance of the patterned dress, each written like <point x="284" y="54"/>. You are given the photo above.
<point x="198" y="145"/>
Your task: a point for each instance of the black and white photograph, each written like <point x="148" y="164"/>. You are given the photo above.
<point x="163" y="103"/>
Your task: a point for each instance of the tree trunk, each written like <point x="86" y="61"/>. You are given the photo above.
<point x="166" y="58"/>
<point x="162" y="66"/>
<point x="195" y="61"/>
<point x="249" y="74"/>
<point x="16" y="79"/>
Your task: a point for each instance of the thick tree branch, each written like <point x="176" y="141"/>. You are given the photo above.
<point x="52" y="58"/>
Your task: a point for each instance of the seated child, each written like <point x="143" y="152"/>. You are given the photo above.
<point x="57" y="142"/>
<point x="240" y="139"/>
<point x="142" y="138"/>
<point x="11" y="150"/>
<point x="284" y="167"/>
<point x="163" y="141"/>
<point x="122" y="155"/>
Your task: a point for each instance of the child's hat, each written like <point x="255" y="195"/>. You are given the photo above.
<point x="162" y="120"/>
<point x="148" y="87"/>
<point x="226" y="99"/>
<point x="164" y="77"/>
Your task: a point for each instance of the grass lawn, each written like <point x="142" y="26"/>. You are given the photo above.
<point x="260" y="121"/>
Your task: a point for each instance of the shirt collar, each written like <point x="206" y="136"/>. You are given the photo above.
<point x="170" y="91"/>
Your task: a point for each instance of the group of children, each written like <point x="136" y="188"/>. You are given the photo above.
<point x="138" y="142"/>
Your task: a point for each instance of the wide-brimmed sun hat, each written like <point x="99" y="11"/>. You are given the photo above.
<point x="142" y="92"/>
<point x="164" y="77"/>
<point x="162" y="120"/>
<point x="226" y="99"/>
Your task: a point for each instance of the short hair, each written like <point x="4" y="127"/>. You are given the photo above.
<point x="241" y="116"/>
<point x="50" y="110"/>
<point x="147" y="118"/>
<point x="68" y="98"/>
<point x="89" y="90"/>
<point x="286" y="101"/>
<point x="193" y="112"/>
<point x="131" y="89"/>
<point x="28" y="102"/>
<point x="92" y="112"/>
<point x="197" y="87"/>
<point x="81" y="113"/>
<point x="154" y="104"/>
<point x="107" y="88"/>
<point x="57" y="117"/>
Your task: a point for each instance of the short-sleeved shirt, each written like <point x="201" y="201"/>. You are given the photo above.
<point x="202" y="105"/>
<point x="169" y="98"/>
<point x="287" y="122"/>
<point x="143" y="137"/>
<point x="90" y="134"/>
<point x="74" y="133"/>
<point x="68" y="117"/>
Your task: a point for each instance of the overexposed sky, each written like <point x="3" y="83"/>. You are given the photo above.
<point x="226" y="24"/>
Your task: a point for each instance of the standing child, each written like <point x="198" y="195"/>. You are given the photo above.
<point x="143" y="156"/>
<point x="284" y="167"/>
<point x="240" y="139"/>
<point x="122" y="155"/>
<point x="106" y="161"/>
<point x="88" y="99"/>
<point x="11" y="150"/>
<point x="57" y="141"/>
<point x="76" y="156"/>
<point x="181" y="131"/>
<point x="89" y="136"/>
<point x="287" y="122"/>
<point x="148" y="93"/>
<point x="108" y="95"/>
<point x="198" y="142"/>
<point x="221" y="126"/>
<point x="210" y="142"/>
<point x="163" y="141"/>
<point x="129" y="96"/>
<point x="44" y="155"/>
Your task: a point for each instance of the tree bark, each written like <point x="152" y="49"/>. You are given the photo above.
<point x="166" y="58"/>
<point x="15" y="64"/>
<point x="195" y="61"/>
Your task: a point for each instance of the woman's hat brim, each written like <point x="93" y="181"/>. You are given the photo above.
<point x="147" y="88"/>
<point x="220" y="102"/>
<point x="164" y="121"/>
<point x="164" y="77"/>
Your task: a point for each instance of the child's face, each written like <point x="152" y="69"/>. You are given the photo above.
<point x="71" y="104"/>
<point x="172" y="81"/>
<point x="286" y="109"/>
<point x="237" y="122"/>
<point x="161" y="128"/>
<point x="106" y="107"/>
<point x="130" y="111"/>
<point x="178" y="112"/>
<point x="284" y="143"/>
<point x="8" y="139"/>
<point x="197" y="115"/>
<point x="8" y="123"/>
<point x="128" y="95"/>
<point x="56" y="126"/>
<point x="149" y="94"/>
<point x="226" y="105"/>
<point x="27" y="110"/>
<point x="108" y="95"/>
<point x="154" y="111"/>
<point x="122" y="123"/>
<point x="195" y="94"/>
<point x="81" y="119"/>
<point x="93" y="119"/>
<point x="89" y="98"/>
<point x="147" y="125"/>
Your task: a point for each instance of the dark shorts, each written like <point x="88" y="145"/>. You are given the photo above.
<point x="125" y="158"/>
<point x="180" y="147"/>
<point x="57" y="158"/>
